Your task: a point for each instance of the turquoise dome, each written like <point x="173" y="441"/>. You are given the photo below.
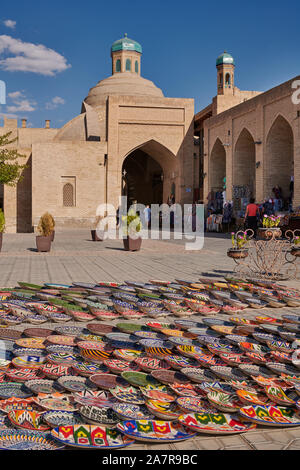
<point x="126" y="44"/>
<point x="225" y="58"/>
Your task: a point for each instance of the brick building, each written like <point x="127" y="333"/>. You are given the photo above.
<point x="128" y="140"/>
<point x="250" y="138"/>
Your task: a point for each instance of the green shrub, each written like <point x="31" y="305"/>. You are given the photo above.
<point x="131" y="223"/>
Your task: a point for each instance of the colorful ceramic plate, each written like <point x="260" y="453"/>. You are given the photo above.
<point x="194" y="404"/>
<point x="198" y="375"/>
<point x="28" y="362"/>
<point x="151" y="431"/>
<point x="271" y="415"/>
<point x="163" y="410"/>
<point x="214" y="423"/>
<point x="62" y="418"/>
<point x="277" y="395"/>
<point x="224" y="401"/>
<point x="91" y="437"/>
<point x="128" y="411"/>
<point x="169" y="377"/>
<point x="42" y="386"/>
<point x="128" y="395"/>
<point x="12" y="389"/>
<point x="75" y="384"/>
<point x="97" y="415"/>
<point x="30" y="420"/>
<point x="149" y="364"/>
<point x="36" y="343"/>
<point x="253" y="398"/>
<point x="108" y="381"/>
<point x="139" y="379"/>
<point x="12" y="439"/>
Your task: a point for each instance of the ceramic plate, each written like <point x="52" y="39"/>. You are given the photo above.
<point x="163" y="410"/>
<point x="28" y="362"/>
<point x="224" y="401"/>
<point x="128" y="411"/>
<point x="271" y="415"/>
<point x="254" y="398"/>
<point x="214" y="423"/>
<point x="12" y="439"/>
<point x="277" y="395"/>
<point x="42" y="386"/>
<point x="139" y="379"/>
<point x="108" y="381"/>
<point x="198" y="375"/>
<point x="228" y="373"/>
<point x="97" y="415"/>
<point x="17" y="390"/>
<point x="194" y="404"/>
<point x="127" y="354"/>
<point x="62" y="418"/>
<point x="169" y="377"/>
<point x="151" y="431"/>
<point x="75" y="384"/>
<point x="128" y="395"/>
<point x="149" y="364"/>
<point x="90" y="436"/>
<point x="36" y="343"/>
<point x="30" y="420"/>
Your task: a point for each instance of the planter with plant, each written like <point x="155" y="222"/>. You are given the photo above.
<point x="295" y="250"/>
<point x="2" y="227"/>
<point x="270" y="228"/>
<point x="45" y="230"/>
<point x="132" y="227"/>
<point x="239" y="245"/>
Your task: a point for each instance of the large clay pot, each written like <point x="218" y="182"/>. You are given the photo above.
<point x="95" y="236"/>
<point x="268" y="233"/>
<point x="43" y="244"/>
<point x="1" y="238"/>
<point x="237" y="254"/>
<point x="130" y="244"/>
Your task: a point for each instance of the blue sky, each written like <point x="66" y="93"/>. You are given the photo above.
<point x="180" y="39"/>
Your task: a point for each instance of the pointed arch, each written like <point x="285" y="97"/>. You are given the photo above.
<point x="149" y="172"/>
<point x="244" y="162"/>
<point x="279" y="157"/>
<point x="217" y="166"/>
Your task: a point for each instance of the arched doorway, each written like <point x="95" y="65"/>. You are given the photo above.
<point x="244" y="166"/>
<point x="217" y="166"/>
<point x="279" y="167"/>
<point x="142" y="179"/>
<point x="149" y="174"/>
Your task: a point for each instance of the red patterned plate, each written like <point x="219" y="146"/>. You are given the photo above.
<point x="117" y="366"/>
<point x="184" y="390"/>
<point x="55" y="371"/>
<point x="22" y="375"/>
<point x="149" y="364"/>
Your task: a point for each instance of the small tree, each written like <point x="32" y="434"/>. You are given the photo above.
<point x="10" y="169"/>
<point x="45" y="227"/>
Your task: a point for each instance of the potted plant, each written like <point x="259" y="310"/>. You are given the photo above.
<point x="132" y="227"/>
<point x="239" y="242"/>
<point x="2" y="227"/>
<point x="270" y="228"/>
<point x="97" y="235"/>
<point x="295" y="251"/>
<point x="45" y="230"/>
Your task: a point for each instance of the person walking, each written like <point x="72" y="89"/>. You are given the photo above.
<point x="252" y="212"/>
<point x="147" y="214"/>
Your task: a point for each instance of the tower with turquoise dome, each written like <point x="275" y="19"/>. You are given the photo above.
<point x="225" y="74"/>
<point x="126" y="56"/>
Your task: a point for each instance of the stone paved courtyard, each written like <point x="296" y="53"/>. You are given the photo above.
<point x="74" y="257"/>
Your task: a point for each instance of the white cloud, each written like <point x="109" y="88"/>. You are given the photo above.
<point x="20" y="103"/>
<point x="28" y="57"/>
<point x="55" y="102"/>
<point x="15" y="95"/>
<point x="10" y="24"/>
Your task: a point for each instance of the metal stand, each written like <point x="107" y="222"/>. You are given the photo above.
<point x="269" y="259"/>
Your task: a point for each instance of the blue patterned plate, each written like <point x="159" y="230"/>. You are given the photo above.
<point x="14" y="439"/>
<point x="154" y="431"/>
<point x="62" y="418"/>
